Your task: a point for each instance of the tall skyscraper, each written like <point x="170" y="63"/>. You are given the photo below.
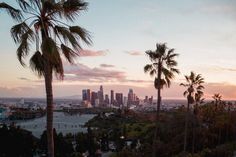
<point x="94" y="97"/>
<point x="119" y="99"/>
<point x="112" y="97"/>
<point x="100" y="95"/>
<point x="88" y="95"/>
<point x="84" y="94"/>
<point x="106" y="101"/>
<point x="130" y="96"/>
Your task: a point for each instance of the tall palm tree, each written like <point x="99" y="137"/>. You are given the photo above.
<point x="41" y="24"/>
<point x="193" y="93"/>
<point x="217" y="99"/>
<point x="163" y="67"/>
<point x="198" y="97"/>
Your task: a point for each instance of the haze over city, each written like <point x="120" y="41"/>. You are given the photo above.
<point x="202" y="32"/>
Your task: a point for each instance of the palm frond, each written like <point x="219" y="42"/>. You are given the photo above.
<point x="51" y="53"/>
<point x="67" y="36"/>
<point x="175" y="70"/>
<point x="68" y="53"/>
<point x="14" y="13"/>
<point x="82" y="33"/>
<point x="148" y="68"/>
<point x="37" y="64"/>
<point x="25" y="6"/>
<point x="167" y="73"/>
<point x="152" y="72"/>
<point x="72" y="8"/>
<point x="23" y="49"/>
<point x="17" y="31"/>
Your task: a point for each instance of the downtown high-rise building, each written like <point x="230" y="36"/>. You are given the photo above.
<point x="94" y="98"/>
<point x="86" y="95"/>
<point x="112" y="97"/>
<point x="119" y="99"/>
<point x="106" y="101"/>
<point x="101" y="95"/>
<point x="131" y="96"/>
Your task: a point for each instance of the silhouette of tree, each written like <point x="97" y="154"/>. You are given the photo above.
<point x="163" y="65"/>
<point x="217" y="99"/>
<point x="40" y="23"/>
<point x="193" y="93"/>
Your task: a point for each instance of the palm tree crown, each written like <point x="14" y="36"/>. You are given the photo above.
<point x="163" y="62"/>
<point x="217" y="98"/>
<point x="194" y="87"/>
<point x="40" y="23"/>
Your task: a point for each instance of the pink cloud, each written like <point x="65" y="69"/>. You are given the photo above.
<point x="93" y="53"/>
<point x="106" y="66"/>
<point x="85" y="73"/>
<point x="134" y="53"/>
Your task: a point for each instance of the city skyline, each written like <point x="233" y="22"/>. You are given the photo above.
<point x="116" y="58"/>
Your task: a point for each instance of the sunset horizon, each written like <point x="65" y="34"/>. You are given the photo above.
<point x="205" y="41"/>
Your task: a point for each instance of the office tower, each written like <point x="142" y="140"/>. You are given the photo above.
<point x="88" y="95"/>
<point x="112" y="97"/>
<point x="106" y="101"/>
<point x="119" y="99"/>
<point x="100" y="95"/>
<point x="84" y="94"/>
<point x="130" y="97"/>
<point x="94" y="96"/>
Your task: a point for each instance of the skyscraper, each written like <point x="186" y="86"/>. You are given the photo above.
<point x="106" y="101"/>
<point x="119" y="99"/>
<point x="84" y="94"/>
<point x="112" y="97"/>
<point x="88" y="95"/>
<point x="100" y="95"/>
<point x="130" y="97"/>
<point x="94" y="97"/>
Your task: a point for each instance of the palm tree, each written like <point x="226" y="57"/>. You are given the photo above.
<point x="198" y="100"/>
<point x="41" y="24"/>
<point x="193" y="93"/>
<point x="163" y="66"/>
<point x="217" y="99"/>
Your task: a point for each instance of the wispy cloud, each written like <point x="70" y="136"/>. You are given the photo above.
<point x="134" y="53"/>
<point x="93" y="53"/>
<point x="24" y="79"/>
<point x="85" y="73"/>
<point x="106" y="66"/>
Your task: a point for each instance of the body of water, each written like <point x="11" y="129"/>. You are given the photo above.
<point x="62" y="122"/>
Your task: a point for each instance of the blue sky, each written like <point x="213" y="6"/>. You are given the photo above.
<point x="202" y="32"/>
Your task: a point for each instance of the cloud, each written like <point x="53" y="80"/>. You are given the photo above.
<point x="85" y="73"/>
<point x="134" y="53"/>
<point x="106" y="66"/>
<point x="92" y="53"/>
<point x="24" y="78"/>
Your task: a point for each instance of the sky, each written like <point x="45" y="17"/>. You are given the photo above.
<point x="203" y="32"/>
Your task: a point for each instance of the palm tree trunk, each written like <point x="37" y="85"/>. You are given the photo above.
<point x="194" y="136"/>
<point x="49" y="93"/>
<point x="154" y="153"/>
<point x="186" y="128"/>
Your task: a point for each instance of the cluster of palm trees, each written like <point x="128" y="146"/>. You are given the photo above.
<point x="163" y="67"/>
<point x="40" y="28"/>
